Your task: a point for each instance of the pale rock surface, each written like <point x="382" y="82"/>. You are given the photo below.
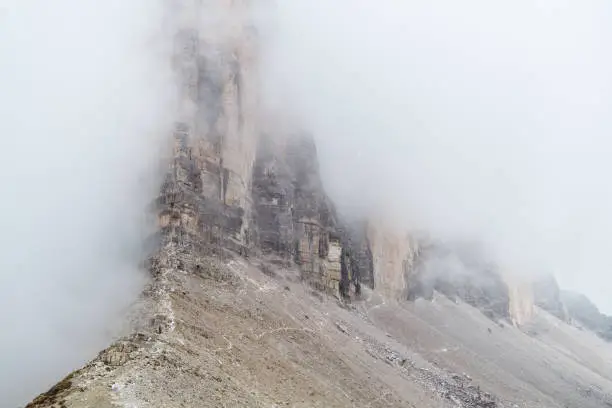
<point x="393" y="256"/>
<point x="522" y="304"/>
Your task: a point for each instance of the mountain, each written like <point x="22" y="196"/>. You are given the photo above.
<point x="571" y="307"/>
<point x="584" y="312"/>
<point x="263" y="295"/>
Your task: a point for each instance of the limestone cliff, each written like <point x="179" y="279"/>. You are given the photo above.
<point x="547" y="295"/>
<point x="460" y="271"/>
<point x="570" y="307"/>
<point x="237" y="188"/>
<point x="521" y="300"/>
<point x="584" y="313"/>
<point x="393" y="258"/>
<point x="239" y="182"/>
<point x="216" y="133"/>
<point x="293" y="216"/>
<point x="241" y="192"/>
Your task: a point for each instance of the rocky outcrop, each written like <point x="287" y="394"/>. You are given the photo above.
<point x="293" y="216"/>
<point x="461" y="272"/>
<point x="216" y="135"/>
<point x="234" y="187"/>
<point x="571" y="307"/>
<point x="359" y="251"/>
<point x="547" y="295"/>
<point x="583" y="312"/>
<point x="230" y="186"/>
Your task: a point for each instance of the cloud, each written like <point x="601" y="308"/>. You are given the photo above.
<point x="83" y="108"/>
<point x="474" y="119"/>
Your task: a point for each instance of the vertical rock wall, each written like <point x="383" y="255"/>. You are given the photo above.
<point x="232" y="188"/>
<point x="207" y="191"/>
<point x="547" y="295"/>
<point x="521" y="304"/>
<point x="460" y="272"/>
<point x="293" y="215"/>
<point x="393" y="257"/>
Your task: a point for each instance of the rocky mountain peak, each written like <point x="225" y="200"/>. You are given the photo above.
<point x="262" y="294"/>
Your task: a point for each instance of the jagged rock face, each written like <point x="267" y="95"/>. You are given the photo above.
<point x="360" y="255"/>
<point x="459" y="272"/>
<point x="216" y="135"/>
<point x="583" y="311"/>
<point x="233" y="189"/>
<point x="293" y="215"/>
<point x="547" y="296"/>
<point x="273" y="193"/>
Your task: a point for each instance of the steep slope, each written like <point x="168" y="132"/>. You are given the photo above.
<point x="261" y="296"/>
<point x="233" y="335"/>
<point x="570" y="307"/>
<point x="393" y="257"/>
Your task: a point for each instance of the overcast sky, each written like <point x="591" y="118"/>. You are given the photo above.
<point x="475" y="119"/>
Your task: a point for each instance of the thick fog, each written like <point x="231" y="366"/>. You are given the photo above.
<point x="84" y="92"/>
<point x="474" y="120"/>
<point x="478" y="120"/>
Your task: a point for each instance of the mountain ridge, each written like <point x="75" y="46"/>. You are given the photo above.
<point x="262" y="295"/>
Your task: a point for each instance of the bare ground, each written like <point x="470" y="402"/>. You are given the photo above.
<point x="233" y="336"/>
